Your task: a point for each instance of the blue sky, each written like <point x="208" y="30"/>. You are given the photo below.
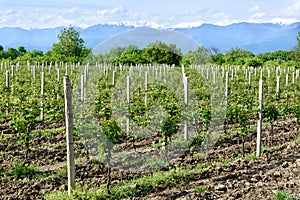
<point x="153" y="13"/>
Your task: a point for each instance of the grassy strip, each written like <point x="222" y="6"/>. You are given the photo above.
<point x="19" y="171"/>
<point x="133" y="188"/>
<point x="48" y="133"/>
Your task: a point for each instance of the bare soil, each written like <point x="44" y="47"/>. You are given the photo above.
<point x="277" y="169"/>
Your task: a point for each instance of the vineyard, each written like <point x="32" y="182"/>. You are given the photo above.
<point x="152" y="131"/>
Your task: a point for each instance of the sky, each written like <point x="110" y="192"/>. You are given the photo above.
<point x="153" y="13"/>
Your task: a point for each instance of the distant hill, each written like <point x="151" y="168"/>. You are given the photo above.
<point x="143" y="36"/>
<point x="257" y="38"/>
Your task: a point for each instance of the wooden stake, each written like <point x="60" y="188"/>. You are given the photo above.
<point x="128" y="101"/>
<point x="186" y="102"/>
<point x="7" y="80"/>
<point x="82" y="88"/>
<point x="69" y="134"/>
<point x="278" y="86"/>
<point x="226" y="85"/>
<point x="259" y="122"/>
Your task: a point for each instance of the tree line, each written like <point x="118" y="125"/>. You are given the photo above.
<point x="71" y="48"/>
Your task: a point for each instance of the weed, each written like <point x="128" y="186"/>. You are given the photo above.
<point x="199" y="188"/>
<point x="283" y="195"/>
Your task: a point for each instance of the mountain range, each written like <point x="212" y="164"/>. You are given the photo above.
<point x="254" y="37"/>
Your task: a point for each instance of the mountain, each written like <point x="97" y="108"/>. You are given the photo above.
<point x="41" y="39"/>
<point x="143" y="36"/>
<point x="255" y="37"/>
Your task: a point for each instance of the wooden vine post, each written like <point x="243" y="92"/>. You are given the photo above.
<point x="42" y="94"/>
<point x="128" y="102"/>
<point x="259" y="122"/>
<point x="146" y="87"/>
<point x="69" y="134"/>
<point x="278" y="86"/>
<point x="114" y="78"/>
<point x="82" y="88"/>
<point x="7" y="80"/>
<point x="186" y="101"/>
<point x="226" y="85"/>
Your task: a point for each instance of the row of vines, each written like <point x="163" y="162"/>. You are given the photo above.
<point x="175" y="107"/>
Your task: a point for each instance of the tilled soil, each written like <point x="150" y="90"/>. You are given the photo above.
<point x="239" y="178"/>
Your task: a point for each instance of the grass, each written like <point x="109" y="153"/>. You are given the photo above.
<point x="283" y="195"/>
<point x="48" y="133"/>
<point x="20" y="171"/>
<point x="271" y="148"/>
<point x="135" y="187"/>
<point x="250" y="156"/>
<point x="199" y="189"/>
<point x="297" y="139"/>
<point x="3" y="137"/>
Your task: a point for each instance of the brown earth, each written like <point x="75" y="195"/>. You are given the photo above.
<point x="240" y="178"/>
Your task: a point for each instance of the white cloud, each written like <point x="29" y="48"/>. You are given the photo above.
<point x="279" y="20"/>
<point x="258" y="15"/>
<point x="220" y="15"/>
<point x="256" y="12"/>
<point x="254" y="9"/>
<point x="225" y="22"/>
<point x="294" y="8"/>
<point x="71" y="11"/>
<point x="290" y="11"/>
<point x="188" y="24"/>
<point x="105" y="12"/>
<point x="34" y="14"/>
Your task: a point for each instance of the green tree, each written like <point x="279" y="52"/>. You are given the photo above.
<point x="2" y="52"/>
<point x="114" y="54"/>
<point x="21" y="50"/>
<point x="71" y="47"/>
<point x="200" y="56"/>
<point x="218" y="59"/>
<point x="131" y="55"/>
<point x="254" y="62"/>
<point x="297" y="50"/>
<point x="160" y="52"/>
<point x="237" y="56"/>
<point x="12" y="53"/>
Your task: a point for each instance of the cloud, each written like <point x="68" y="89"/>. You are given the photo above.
<point x="258" y="15"/>
<point x="279" y="20"/>
<point x="188" y="24"/>
<point x="290" y="11"/>
<point x="106" y="12"/>
<point x="294" y="8"/>
<point x="71" y="11"/>
<point x="254" y="9"/>
<point x="34" y="14"/>
<point x="256" y="12"/>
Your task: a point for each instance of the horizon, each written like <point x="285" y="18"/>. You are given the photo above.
<point x="147" y="26"/>
<point x="33" y="14"/>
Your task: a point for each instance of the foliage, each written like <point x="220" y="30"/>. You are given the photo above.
<point x="283" y="195"/>
<point x="12" y="53"/>
<point x="135" y="187"/>
<point x="197" y="57"/>
<point x="218" y="59"/>
<point x="270" y="112"/>
<point x="70" y="47"/>
<point x="296" y="55"/>
<point x="20" y="171"/>
<point x="131" y="55"/>
<point x="237" y="56"/>
<point x="162" y="53"/>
